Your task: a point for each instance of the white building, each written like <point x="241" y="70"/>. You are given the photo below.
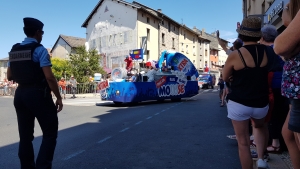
<point x="3" y="68"/>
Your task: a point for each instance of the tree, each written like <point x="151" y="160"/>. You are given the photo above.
<point x="60" y="68"/>
<point x="85" y="63"/>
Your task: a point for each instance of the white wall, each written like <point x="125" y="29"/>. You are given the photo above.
<point x="3" y="70"/>
<point x="61" y="49"/>
<point x="112" y="31"/>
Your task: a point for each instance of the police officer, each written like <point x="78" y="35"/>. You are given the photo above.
<point x="30" y="66"/>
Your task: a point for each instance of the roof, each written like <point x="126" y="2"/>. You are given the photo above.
<point x="85" y="23"/>
<point x="72" y="41"/>
<point x="4" y="59"/>
<point x="214" y="43"/>
<point x="155" y="12"/>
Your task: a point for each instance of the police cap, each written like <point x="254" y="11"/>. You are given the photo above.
<point x="33" y="23"/>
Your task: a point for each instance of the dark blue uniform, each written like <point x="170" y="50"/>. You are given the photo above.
<point x="33" y="99"/>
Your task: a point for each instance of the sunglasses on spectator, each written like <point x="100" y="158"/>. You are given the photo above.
<point x="42" y="32"/>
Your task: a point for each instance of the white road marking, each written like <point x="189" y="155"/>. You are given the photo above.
<point x="106" y="138"/>
<point x="138" y="122"/>
<point x="74" y="154"/>
<point x="149" y="117"/>
<point x="215" y="90"/>
<point x="124" y="129"/>
<point x="156" y="114"/>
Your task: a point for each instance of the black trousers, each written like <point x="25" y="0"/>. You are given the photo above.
<point x="31" y="103"/>
<point x="279" y="113"/>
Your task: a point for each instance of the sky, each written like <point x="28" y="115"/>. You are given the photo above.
<point x="66" y="17"/>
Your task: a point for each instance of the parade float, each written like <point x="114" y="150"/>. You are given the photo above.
<point x="173" y="77"/>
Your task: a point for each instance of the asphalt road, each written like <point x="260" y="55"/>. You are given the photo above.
<point x="179" y="135"/>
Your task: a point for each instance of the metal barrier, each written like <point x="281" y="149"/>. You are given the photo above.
<point x="82" y="88"/>
<point x="8" y="91"/>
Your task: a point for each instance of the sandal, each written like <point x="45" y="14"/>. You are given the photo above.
<point x="252" y="145"/>
<point x="231" y="136"/>
<point x="273" y="149"/>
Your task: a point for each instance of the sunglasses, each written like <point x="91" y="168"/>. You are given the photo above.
<point x="42" y="32"/>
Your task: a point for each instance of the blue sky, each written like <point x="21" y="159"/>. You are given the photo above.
<point x="66" y="17"/>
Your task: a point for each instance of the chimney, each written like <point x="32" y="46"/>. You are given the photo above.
<point x="203" y="30"/>
<point x="159" y="10"/>
<point x="195" y="28"/>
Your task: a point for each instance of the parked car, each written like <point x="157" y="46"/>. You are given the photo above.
<point x="206" y="80"/>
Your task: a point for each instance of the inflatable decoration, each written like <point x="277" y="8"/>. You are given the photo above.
<point x="178" y="62"/>
<point x="118" y="73"/>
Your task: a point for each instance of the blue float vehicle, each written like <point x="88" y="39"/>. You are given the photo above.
<point x="175" y="78"/>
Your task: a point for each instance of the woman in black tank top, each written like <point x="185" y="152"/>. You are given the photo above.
<point x="248" y="98"/>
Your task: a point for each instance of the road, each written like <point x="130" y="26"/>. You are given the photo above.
<point x="150" y="135"/>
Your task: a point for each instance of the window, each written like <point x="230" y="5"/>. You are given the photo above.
<point x="163" y="38"/>
<point x="169" y="27"/>
<point x="187" y="49"/>
<point x="148" y="54"/>
<point x="205" y="52"/>
<point x="193" y="40"/>
<point x="263" y="7"/>
<point x="148" y="34"/>
<point x="182" y="48"/>
<point x="162" y="22"/>
<point x="173" y="43"/>
<point x="148" y="20"/>
<point x="174" y="28"/>
<point x="194" y="51"/>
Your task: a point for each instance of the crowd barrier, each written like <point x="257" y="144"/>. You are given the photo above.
<point x="82" y="88"/>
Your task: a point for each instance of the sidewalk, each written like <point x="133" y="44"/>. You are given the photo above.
<point x="278" y="161"/>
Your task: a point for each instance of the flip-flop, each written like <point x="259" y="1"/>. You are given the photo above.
<point x="273" y="149"/>
<point x="233" y="137"/>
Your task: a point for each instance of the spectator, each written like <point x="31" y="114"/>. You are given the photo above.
<point x="238" y="43"/>
<point x="62" y="86"/>
<point x="248" y="98"/>
<point x="290" y="50"/>
<point x="5" y="85"/>
<point x="73" y="84"/>
<point x="280" y="104"/>
<point x="221" y="87"/>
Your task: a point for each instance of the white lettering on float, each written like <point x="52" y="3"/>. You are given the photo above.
<point x="171" y="90"/>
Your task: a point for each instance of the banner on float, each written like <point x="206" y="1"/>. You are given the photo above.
<point x="137" y="54"/>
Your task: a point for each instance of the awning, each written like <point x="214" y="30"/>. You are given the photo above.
<point x="107" y="70"/>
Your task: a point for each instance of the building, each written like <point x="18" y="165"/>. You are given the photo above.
<point x="116" y="27"/>
<point x="66" y="45"/>
<point x="3" y="68"/>
<point x="267" y="10"/>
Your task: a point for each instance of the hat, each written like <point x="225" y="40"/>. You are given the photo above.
<point x="250" y="27"/>
<point x="72" y="76"/>
<point x="33" y="23"/>
<point x="62" y="78"/>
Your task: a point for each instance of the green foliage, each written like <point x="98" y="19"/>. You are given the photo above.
<point x="60" y="68"/>
<point x="84" y="64"/>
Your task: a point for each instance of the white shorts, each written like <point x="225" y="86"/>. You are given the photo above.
<point x="239" y="112"/>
